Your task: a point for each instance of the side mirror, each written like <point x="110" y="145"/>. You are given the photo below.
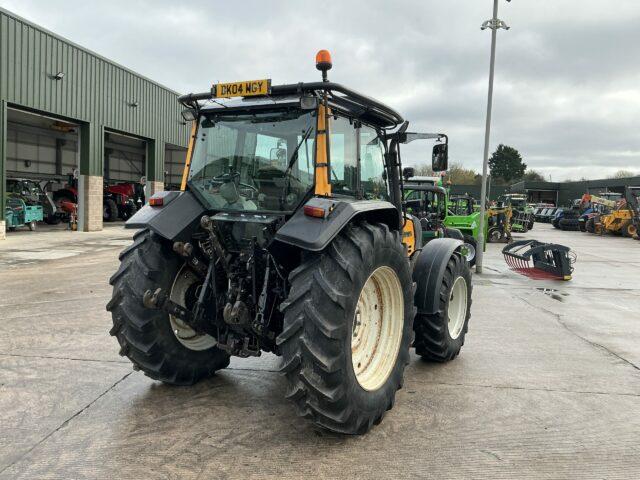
<point x="408" y="172"/>
<point x="440" y="157"/>
<point x="278" y="155"/>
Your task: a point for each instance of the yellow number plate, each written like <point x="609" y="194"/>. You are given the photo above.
<point x="243" y="89"/>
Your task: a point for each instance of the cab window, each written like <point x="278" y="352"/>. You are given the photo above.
<point x="343" y="156"/>
<point x="372" y="180"/>
<point x="272" y="150"/>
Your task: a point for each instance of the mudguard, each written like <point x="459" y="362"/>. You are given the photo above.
<point x="428" y="272"/>
<point x="175" y="220"/>
<point x="314" y="234"/>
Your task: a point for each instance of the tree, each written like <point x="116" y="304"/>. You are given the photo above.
<point x="533" y="176"/>
<point x="506" y="163"/>
<point x="623" y="174"/>
<point x="424" y="170"/>
<point x="458" y="175"/>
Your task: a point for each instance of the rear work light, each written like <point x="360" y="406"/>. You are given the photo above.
<point x="156" y="201"/>
<point x="317" y="212"/>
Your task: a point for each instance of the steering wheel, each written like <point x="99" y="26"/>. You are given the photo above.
<point x="229" y="177"/>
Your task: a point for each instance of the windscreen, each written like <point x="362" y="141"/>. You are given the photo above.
<point x="258" y="161"/>
<point x="461" y="206"/>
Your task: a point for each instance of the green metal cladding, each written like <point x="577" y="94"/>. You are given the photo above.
<point x="95" y="92"/>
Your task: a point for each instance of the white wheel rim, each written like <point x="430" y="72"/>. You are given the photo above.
<point x="457" y="311"/>
<point x="183" y="332"/>
<point x="377" y="329"/>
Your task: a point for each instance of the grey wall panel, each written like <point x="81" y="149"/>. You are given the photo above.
<point x="35" y="153"/>
<point x="94" y="90"/>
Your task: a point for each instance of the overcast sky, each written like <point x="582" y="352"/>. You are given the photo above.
<point x="567" y="91"/>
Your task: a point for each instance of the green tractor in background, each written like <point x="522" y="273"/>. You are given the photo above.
<point x="523" y="217"/>
<point x="441" y="216"/>
<point x="462" y="215"/>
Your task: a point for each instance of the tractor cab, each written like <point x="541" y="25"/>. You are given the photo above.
<point x="428" y="203"/>
<point x="461" y="205"/>
<point x="523" y="217"/>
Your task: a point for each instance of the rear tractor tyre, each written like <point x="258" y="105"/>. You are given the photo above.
<point x="440" y="336"/>
<point x="163" y="347"/>
<point x="590" y="225"/>
<point x="109" y="210"/>
<point x="348" y="329"/>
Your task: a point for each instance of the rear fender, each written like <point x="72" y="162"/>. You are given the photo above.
<point x="175" y="220"/>
<point x="314" y="234"/>
<point x="428" y="272"/>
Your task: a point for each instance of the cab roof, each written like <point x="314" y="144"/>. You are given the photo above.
<point x="340" y="97"/>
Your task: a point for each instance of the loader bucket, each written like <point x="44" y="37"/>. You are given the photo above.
<point x="539" y="260"/>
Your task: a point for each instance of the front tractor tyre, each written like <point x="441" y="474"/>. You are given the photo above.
<point x="163" y="347"/>
<point x="494" y="235"/>
<point x="629" y="230"/>
<point x="472" y="241"/>
<point x="348" y="329"/>
<point x="440" y="336"/>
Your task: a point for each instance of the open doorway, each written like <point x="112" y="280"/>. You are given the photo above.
<point x="124" y="176"/>
<point x="42" y="167"/>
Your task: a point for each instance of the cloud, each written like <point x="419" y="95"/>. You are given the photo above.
<point x="567" y="91"/>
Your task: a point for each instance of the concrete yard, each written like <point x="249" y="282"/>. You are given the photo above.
<point x="547" y="385"/>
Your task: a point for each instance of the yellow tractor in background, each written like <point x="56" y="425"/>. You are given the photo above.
<point x="624" y="219"/>
<point x="499" y="223"/>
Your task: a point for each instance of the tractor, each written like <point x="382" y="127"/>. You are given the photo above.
<point x="118" y="200"/>
<point x="290" y="235"/>
<point x="427" y="199"/>
<point x="594" y="206"/>
<point x="462" y="215"/>
<point x="623" y="218"/>
<point x="523" y="217"/>
<point x="499" y="223"/>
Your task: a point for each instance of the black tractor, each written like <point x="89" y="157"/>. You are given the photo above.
<point x="290" y="236"/>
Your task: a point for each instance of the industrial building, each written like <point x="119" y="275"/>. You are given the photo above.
<point x="556" y="193"/>
<point x="563" y="193"/>
<point x="72" y="118"/>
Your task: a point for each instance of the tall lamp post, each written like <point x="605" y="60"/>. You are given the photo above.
<point x="494" y="24"/>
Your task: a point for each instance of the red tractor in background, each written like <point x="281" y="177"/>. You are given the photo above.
<point x="119" y="201"/>
<point x="126" y="197"/>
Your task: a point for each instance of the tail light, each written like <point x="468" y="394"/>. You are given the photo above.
<point x="317" y="212"/>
